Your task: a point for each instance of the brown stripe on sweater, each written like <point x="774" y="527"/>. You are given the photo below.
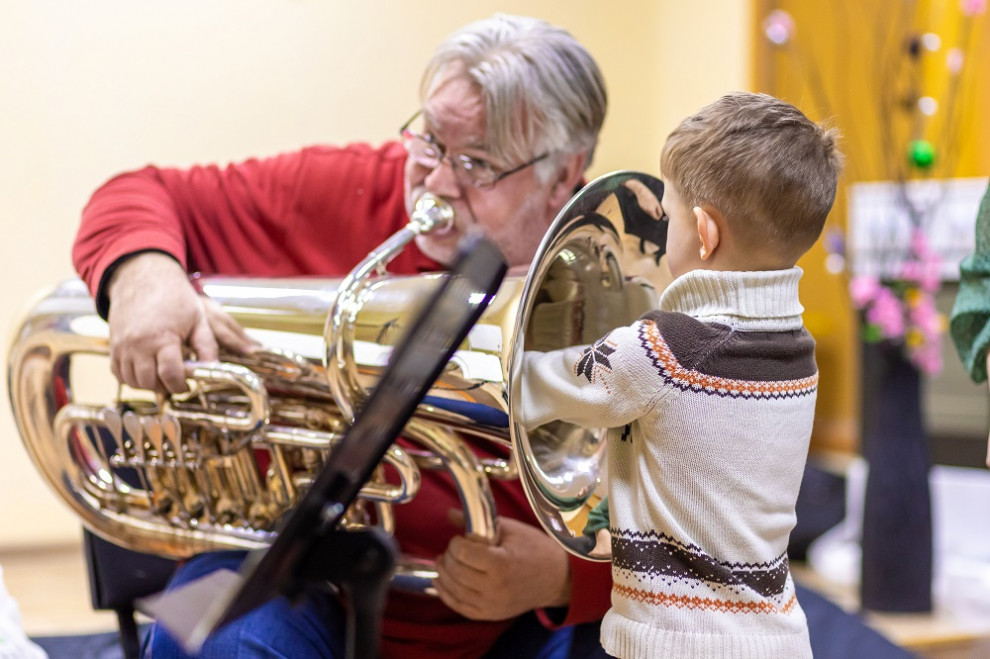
<point x="655" y="554"/>
<point x="688" y="379"/>
<point x="717" y="350"/>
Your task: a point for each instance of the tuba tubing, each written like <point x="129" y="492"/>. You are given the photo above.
<point x="192" y="481"/>
<point x="217" y="468"/>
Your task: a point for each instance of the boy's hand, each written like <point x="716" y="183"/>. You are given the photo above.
<point x="603" y="545"/>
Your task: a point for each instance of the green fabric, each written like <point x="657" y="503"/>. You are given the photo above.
<point x="969" y="324"/>
<point x="597" y="518"/>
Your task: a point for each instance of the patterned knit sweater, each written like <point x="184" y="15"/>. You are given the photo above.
<point x="709" y="403"/>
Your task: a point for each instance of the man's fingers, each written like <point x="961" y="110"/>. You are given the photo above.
<point x="466" y="608"/>
<point x="172" y="368"/>
<point x="125" y="372"/>
<point x="473" y="554"/>
<point x="228" y="332"/>
<point x="231" y="335"/>
<point x="116" y="363"/>
<point x="452" y="588"/>
<point x="465" y="565"/>
<point x="203" y="342"/>
<point x="456" y="517"/>
<point x="146" y="372"/>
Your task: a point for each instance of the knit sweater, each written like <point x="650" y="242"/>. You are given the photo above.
<point x="709" y="404"/>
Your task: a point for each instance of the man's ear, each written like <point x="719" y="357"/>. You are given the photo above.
<point x="566" y="179"/>
<point x="708" y="232"/>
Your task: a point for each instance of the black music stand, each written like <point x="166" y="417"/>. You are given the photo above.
<point x="311" y="548"/>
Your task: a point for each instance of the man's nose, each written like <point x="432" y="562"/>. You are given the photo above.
<point x="442" y="180"/>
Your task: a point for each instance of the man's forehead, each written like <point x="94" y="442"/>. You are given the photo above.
<point x="455" y="112"/>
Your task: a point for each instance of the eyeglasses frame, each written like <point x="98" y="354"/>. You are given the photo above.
<point x="407" y="133"/>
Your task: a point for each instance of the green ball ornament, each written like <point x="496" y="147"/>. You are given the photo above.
<point x="921" y="154"/>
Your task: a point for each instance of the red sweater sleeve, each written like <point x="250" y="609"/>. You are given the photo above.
<point x="591" y="589"/>
<point x="130" y="213"/>
<point x="317" y="211"/>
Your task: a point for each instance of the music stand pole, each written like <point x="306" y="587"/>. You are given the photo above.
<point x="362" y="564"/>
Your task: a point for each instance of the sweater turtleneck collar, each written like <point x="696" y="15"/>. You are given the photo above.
<point x="745" y="301"/>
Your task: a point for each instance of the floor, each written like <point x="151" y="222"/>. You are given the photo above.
<point x="52" y="589"/>
<point x="936" y="635"/>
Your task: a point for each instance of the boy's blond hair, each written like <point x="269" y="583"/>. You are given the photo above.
<point x="761" y="163"/>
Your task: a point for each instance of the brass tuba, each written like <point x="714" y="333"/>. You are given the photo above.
<point x="217" y="467"/>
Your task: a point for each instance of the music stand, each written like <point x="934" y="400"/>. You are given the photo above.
<point x="310" y="548"/>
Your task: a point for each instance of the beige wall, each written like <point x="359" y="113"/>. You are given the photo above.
<point x="91" y="88"/>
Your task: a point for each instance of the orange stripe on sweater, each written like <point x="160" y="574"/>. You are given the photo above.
<point x="705" y="603"/>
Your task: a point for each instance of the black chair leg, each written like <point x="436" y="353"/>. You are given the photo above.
<point x="129" y="641"/>
<point x="117" y="577"/>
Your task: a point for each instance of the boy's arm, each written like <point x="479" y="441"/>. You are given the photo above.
<point x="607" y="384"/>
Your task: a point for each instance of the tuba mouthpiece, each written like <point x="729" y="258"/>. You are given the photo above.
<point x="432" y="214"/>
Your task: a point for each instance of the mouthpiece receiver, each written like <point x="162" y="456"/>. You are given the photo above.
<point x="432" y="214"/>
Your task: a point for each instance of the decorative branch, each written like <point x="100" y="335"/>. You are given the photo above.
<point x="899" y="305"/>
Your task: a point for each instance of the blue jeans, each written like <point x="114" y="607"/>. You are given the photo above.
<point x="315" y="628"/>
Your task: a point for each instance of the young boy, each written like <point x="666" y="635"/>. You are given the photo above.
<point x="710" y="400"/>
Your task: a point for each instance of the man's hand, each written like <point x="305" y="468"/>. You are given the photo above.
<point x="526" y="569"/>
<point x="155" y="317"/>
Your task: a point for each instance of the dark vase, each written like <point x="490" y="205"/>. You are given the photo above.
<point x="896" y="573"/>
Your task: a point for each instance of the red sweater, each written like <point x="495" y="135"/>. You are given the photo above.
<point x="314" y="212"/>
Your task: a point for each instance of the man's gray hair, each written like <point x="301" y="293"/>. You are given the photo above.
<point x="542" y="90"/>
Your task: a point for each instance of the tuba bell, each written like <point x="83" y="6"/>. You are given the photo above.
<point x="217" y="467"/>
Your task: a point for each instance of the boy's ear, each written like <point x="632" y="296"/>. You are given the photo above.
<point x="708" y="232"/>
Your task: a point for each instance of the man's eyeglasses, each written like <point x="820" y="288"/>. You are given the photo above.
<point x="478" y="173"/>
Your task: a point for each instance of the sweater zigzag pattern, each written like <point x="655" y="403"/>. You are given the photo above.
<point x="689" y="379"/>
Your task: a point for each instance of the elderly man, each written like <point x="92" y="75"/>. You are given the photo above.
<point x="511" y="110"/>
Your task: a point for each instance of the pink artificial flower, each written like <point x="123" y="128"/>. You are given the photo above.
<point x="863" y="289"/>
<point x="887" y="314"/>
<point x="928" y="358"/>
<point x="911" y="271"/>
<point x="925" y="274"/>
<point x="926" y="270"/>
<point x="926" y="317"/>
<point x="954" y="60"/>
<point x="973" y="7"/>
<point x="930" y="277"/>
<point x="919" y="243"/>
<point x="778" y="27"/>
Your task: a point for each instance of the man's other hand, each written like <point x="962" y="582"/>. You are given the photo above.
<point x="524" y="570"/>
